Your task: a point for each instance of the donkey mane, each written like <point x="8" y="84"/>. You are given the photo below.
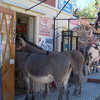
<point x="34" y="45"/>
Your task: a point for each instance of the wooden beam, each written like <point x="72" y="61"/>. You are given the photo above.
<point x="6" y="10"/>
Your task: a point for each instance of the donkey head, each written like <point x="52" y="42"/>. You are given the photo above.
<point x="20" y="45"/>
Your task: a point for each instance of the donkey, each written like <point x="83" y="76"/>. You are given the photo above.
<point x="45" y="69"/>
<point x="91" y="57"/>
<point x="77" y="60"/>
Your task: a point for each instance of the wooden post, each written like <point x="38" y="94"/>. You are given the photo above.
<point x="1" y="92"/>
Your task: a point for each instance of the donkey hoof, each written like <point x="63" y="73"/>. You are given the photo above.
<point x="45" y="96"/>
<point x="96" y="71"/>
<point x="78" y="95"/>
<point x="74" y="94"/>
<point x="33" y="98"/>
<point x="67" y="99"/>
<point x="26" y="98"/>
<point x="88" y="73"/>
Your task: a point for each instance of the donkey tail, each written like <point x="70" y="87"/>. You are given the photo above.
<point x="84" y="70"/>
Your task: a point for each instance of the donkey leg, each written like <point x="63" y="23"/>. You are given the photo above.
<point x="27" y="87"/>
<point x="97" y="66"/>
<point x="46" y="92"/>
<point x="76" y="85"/>
<point x="65" y="84"/>
<point x="93" y="66"/>
<point x="81" y="84"/>
<point x="89" y="69"/>
<point x="66" y="88"/>
<point x="33" y="84"/>
<point x="89" y="65"/>
<point x="67" y="92"/>
<point x="61" y="91"/>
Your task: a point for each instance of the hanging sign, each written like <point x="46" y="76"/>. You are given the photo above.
<point x="21" y="28"/>
<point x="67" y="8"/>
<point x="74" y="22"/>
<point x="84" y="21"/>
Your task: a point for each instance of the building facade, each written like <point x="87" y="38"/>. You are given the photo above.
<point x="38" y="21"/>
<point x="37" y="25"/>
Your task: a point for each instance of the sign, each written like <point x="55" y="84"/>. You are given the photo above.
<point x="75" y="22"/>
<point x="1" y="92"/>
<point x="11" y="61"/>
<point x="66" y="46"/>
<point x="44" y="26"/>
<point x="45" y="43"/>
<point x="14" y="27"/>
<point x="21" y="28"/>
<point x="67" y="8"/>
<point x="84" y="21"/>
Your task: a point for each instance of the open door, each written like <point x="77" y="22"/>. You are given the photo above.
<point x="7" y="28"/>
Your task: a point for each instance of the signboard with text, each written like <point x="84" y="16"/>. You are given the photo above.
<point x="84" y="21"/>
<point x="44" y="26"/>
<point x="74" y="22"/>
<point x="21" y="28"/>
<point x="67" y="8"/>
<point x="45" y="43"/>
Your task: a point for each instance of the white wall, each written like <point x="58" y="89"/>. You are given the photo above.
<point x="41" y="10"/>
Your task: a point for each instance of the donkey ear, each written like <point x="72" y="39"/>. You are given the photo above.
<point x="23" y="42"/>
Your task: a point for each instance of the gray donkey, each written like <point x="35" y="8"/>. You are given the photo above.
<point x="76" y="58"/>
<point x="91" y="55"/>
<point x="45" y="69"/>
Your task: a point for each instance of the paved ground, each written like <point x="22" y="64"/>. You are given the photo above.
<point x="91" y="91"/>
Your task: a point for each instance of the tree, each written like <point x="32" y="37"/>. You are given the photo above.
<point x="89" y="11"/>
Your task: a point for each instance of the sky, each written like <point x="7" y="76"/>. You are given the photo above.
<point x="83" y="3"/>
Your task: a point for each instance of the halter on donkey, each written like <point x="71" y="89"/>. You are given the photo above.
<point x="75" y="57"/>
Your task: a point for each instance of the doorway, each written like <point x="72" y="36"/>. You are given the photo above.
<point x="25" y="28"/>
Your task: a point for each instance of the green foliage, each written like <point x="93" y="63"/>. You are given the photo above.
<point x="88" y="12"/>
